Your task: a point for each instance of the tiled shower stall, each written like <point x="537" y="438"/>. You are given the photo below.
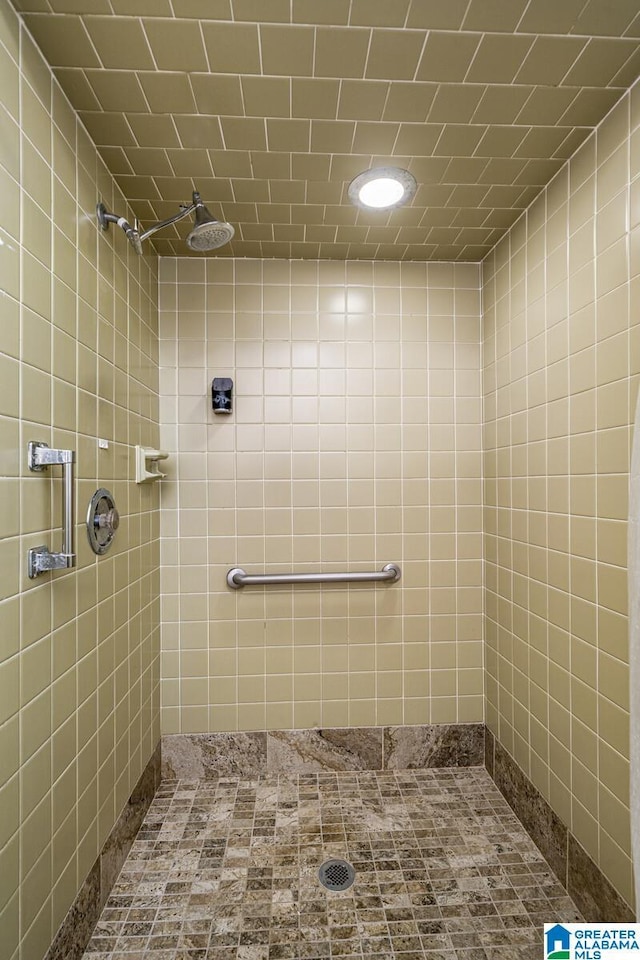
<point x="470" y="422"/>
<point x="355" y="442"/>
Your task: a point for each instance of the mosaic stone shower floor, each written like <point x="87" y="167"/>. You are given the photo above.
<point x="227" y="869"/>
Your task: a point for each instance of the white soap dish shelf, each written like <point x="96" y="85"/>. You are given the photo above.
<point x="147" y="464"/>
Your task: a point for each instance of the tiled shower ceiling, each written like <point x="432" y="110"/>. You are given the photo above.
<point x="271" y="107"/>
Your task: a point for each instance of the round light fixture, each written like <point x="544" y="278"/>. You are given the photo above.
<point x="382" y="189"/>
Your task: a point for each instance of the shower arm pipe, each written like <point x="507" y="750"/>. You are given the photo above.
<point x="105" y="218"/>
<point x="237" y="577"/>
<point x="182" y="212"/>
<point x="133" y="234"/>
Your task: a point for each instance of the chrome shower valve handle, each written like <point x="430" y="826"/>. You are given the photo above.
<point x="109" y="521"/>
<point x="103" y="520"/>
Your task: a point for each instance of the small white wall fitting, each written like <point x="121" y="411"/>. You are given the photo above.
<point x="147" y="464"/>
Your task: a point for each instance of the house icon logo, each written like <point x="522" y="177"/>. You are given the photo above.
<point x="558" y="940"/>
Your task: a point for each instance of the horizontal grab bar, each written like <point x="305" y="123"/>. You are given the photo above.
<point x="237" y="577"/>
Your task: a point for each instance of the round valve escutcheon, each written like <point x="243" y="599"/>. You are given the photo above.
<point x="103" y="520"/>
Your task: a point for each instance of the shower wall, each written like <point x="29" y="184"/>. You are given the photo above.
<point x="561" y="360"/>
<point x="354" y="442"/>
<point x="78" y="360"/>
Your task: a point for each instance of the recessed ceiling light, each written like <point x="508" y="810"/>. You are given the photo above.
<point x="382" y="189"/>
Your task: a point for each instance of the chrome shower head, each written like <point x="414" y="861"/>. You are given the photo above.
<point x="208" y="233"/>
<point x="210" y="236"/>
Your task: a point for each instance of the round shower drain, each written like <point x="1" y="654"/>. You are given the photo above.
<point x="336" y="874"/>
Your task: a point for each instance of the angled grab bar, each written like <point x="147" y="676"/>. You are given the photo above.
<point x="41" y="559"/>
<point x="237" y="577"/>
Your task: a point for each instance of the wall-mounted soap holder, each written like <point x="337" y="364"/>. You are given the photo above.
<point x="147" y="464"/>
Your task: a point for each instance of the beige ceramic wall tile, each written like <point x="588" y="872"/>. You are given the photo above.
<point x="354" y="442"/>
<point x="79" y="650"/>
<point x="560" y="446"/>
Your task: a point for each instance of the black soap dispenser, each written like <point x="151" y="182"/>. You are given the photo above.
<point x="221" y="391"/>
